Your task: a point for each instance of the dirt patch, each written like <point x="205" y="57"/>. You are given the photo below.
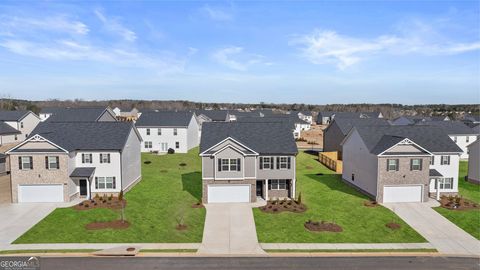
<point x="393" y="225"/>
<point x="457" y="203"/>
<point x="312" y="137"/>
<point x="198" y="205"/>
<point x="116" y="224"/>
<point x="370" y="203"/>
<point x="275" y="207"/>
<point x="181" y="227"/>
<point x="101" y="202"/>
<point x="309" y="168"/>
<point x="322" y="226"/>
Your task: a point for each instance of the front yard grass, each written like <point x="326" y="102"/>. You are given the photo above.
<point x="328" y="198"/>
<point x="468" y="220"/>
<point x="166" y="192"/>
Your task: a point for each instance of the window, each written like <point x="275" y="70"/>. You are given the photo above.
<point x="52" y="163"/>
<point x="21" y="124"/>
<point x="467" y="139"/>
<point x="266" y="163"/>
<point x="175" y="132"/>
<point x="228" y="164"/>
<point x="416" y="164"/>
<point x="432" y="160"/>
<point x="445" y="183"/>
<point x="86" y="158"/>
<point x="148" y="131"/>
<point x="177" y="145"/>
<point x="159" y="132"/>
<point x="455" y="138"/>
<point x="445" y="160"/>
<point x="25" y="163"/>
<point x="104" y="158"/>
<point x="392" y="164"/>
<point x="283" y="163"/>
<point x="278" y="184"/>
<point x="105" y="182"/>
<point x="15" y="137"/>
<point x="353" y="177"/>
<point x="148" y="144"/>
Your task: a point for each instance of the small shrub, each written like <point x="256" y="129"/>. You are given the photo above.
<point x="183" y="164"/>
<point x="97" y="196"/>
<point x="171" y="151"/>
<point x="120" y="195"/>
<point x="110" y="197"/>
<point x="147" y="162"/>
<point x="86" y="205"/>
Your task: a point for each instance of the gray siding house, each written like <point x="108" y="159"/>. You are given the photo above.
<point x="243" y="161"/>
<point x="474" y="162"/>
<point x="23" y="121"/>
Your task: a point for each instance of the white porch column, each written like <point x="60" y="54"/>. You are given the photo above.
<point x="294" y="185"/>
<point x="266" y="190"/>
<point x="437" y="185"/>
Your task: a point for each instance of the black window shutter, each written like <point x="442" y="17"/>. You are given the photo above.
<point x="278" y="163"/>
<point x="261" y="163"/>
<point x="101" y="158"/>
<point x="272" y="163"/>
<point x="20" y="163"/>
<point x="91" y="158"/>
<point x="411" y="164"/>
<point x="83" y="158"/>
<point x="238" y="164"/>
<point x="96" y="182"/>
<point x="448" y="159"/>
<point x="398" y="164"/>
<point x="46" y="163"/>
<point x="219" y="164"/>
<point x="108" y="158"/>
<point x="289" y="162"/>
<point x="31" y="163"/>
<point x="387" y="164"/>
<point x="421" y="164"/>
<point x="114" y="182"/>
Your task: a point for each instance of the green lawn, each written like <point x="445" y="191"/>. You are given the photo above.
<point x="166" y="191"/>
<point x="468" y="220"/>
<point x="328" y="198"/>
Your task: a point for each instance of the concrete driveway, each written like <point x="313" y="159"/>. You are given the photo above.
<point x="230" y="230"/>
<point x="16" y="219"/>
<point x="445" y="236"/>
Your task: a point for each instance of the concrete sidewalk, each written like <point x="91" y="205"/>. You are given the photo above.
<point x="445" y="236"/>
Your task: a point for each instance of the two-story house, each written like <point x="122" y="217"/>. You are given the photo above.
<point x="80" y="114"/>
<point x="401" y="163"/>
<point x="305" y="116"/>
<point x="8" y="134"/>
<point x="163" y="130"/>
<point x="23" y="121"/>
<point x="62" y="161"/>
<point x="243" y="161"/>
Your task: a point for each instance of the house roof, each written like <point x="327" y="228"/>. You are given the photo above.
<point x="337" y="115"/>
<point x="346" y="124"/>
<point x="450" y="127"/>
<point x="83" y="172"/>
<point x="73" y="136"/>
<point x="214" y="115"/>
<point x="472" y="118"/>
<point x="436" y="173"/>
<point x="476" y="129"/>
<point x="82" y="114"/>
<point x="6" y="129"/>
<point x="13" y="115"/>
<point x="263" y="138"/>
<point x="164" y="119"/>
<point x="284" y="120"/>
<point x="380" y="138"/>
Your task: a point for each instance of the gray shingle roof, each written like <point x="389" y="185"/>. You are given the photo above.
<point x="380" y="138"/>
<point x="214" y="115"/>
<point x="434" y="172"/>
<point x="346" y="124"/>
<point x="287" y="121"/>
<point x="83" y="172"/>
<point x="12" y="115"/>
<point x="75" y="114"/>
<point x="263" y="138"/>
<point x="85" y="135"/>
<point x="164" y="119"/>
<point x="6" y="129"/>
<point x="450" y="127"/>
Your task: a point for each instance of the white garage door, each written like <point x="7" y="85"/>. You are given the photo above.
<point x="228" y="193"/>
<point x="402" y="194"/>
<point x="40" y="193"/>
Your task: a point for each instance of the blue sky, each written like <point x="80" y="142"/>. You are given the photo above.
<point x="411" y="52"/>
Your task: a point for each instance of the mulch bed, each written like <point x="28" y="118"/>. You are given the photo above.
<point x="322" y="226"/>
<point x="275" y="207"/>
<point x="100" y="202"/>
<point x="457" y="203"/>
<point x="393" y="226"/>
<point x="181" y="227"/>
<point x="309" y="167"/>
<point x="116" y="224"/>
<point x="198" y="205"/>
<point x="370" y="203"/>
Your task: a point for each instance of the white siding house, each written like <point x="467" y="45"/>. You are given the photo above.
<point x="23" y="121"/>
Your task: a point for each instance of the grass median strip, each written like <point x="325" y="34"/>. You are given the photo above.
<point x="39" y="251"/>
<point x="421" y="250"/>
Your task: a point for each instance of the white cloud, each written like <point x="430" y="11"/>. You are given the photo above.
<point x="114" y="26"/>
<point x="216" y="13"/>
<point x="235" y="58"/>
<point x="60" y="23"/>
<point x="329" y="47"/>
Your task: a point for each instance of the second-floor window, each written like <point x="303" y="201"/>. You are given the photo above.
<point x="21" y="124"/>
<point x="432" y="160"/>
<point x="266" y="163"/>
<point x="52" y="162"/>
<point x="283" y="163"/>
<point x="175" y="132"/>
<point x="104" y="158"/>
<point x="228" y="164"/>
<point x="392" y="164"/>
<point x="25" y="163"/>
<point x="445" y="160"/>
<point x="467" y="139"/>
<point x="148" y="131"/>
<point x="86" y="158"/>
<point x="415" y="164"/>
<point x="159" y="132"/>
<point x="148" y="144"/>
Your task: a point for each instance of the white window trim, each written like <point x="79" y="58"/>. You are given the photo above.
<point x="104" y="158"/>
<point x="277" y="183"/>
<point x="419" y="166"/>
<point x="229" y="164"/>
<point x="104" y="181"/>
<point x="270" y="164"/>
<point x="395" y="165"/>
<point x="281" y="163"/>
<point x="28" y="162"/>
<point x="50" y="163"/>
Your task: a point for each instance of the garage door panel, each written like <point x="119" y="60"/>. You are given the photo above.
<point x="40" y="193"/>
<point x="406" y="193"/>
<point x="228" y="193"/>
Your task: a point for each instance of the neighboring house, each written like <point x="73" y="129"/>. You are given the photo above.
<point x="471" y="120"/>
<point x="165" y="130"/>
<point x="8" y="134"/>
<point x="476" y="130"/>
<point x="64" y="161"/>
<point x="460" y="133"/>
<point x="23" y="121"/>
<point x="211" y="116"/>
<point x="440" y="118"/>
<point x="81" y="114"/>
<point x="412" y="120"/>
<point x="128" y="115"/>
<point x="326" y="117"/>
<point x="3" y="164"/>
<point x="474" y="162"/>
<point x="401" y="163"/>
<point x="242" y="161"/>
<point x="306" y="116"/>
<point x="339" y="128"/>
<point x="293" y="123"/>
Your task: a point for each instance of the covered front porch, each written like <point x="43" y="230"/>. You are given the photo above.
<point x="272" y="189"/>
<point x="440" y="185"/>
<point x="82" y="178"/>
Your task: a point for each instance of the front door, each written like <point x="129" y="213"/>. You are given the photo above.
<point x="164" y="147"/>
<point x="260" y="188"/>
<point x="83" y="187"/>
